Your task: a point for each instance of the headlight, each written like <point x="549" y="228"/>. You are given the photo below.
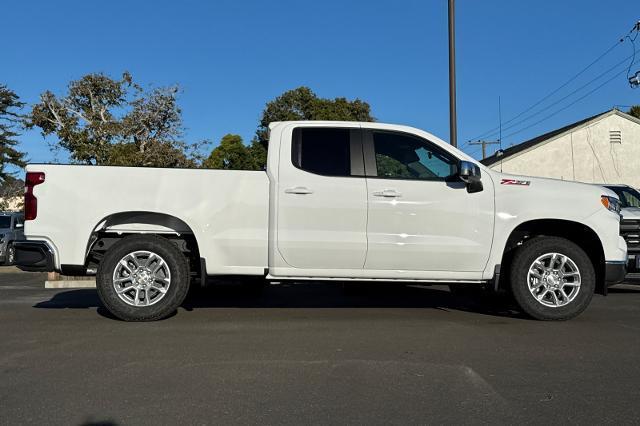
<point x="611" y="203"/>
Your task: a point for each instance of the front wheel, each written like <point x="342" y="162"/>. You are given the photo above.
<point x="552" y="278"/>
<point x="143" y="278"/>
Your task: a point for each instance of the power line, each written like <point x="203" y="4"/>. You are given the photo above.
<point x="535" y="114"/>
<point x="635" y="28"/>
<point x="484" y="144"/>
<point x="570" y="104"/>
<point x="562" y="86"/>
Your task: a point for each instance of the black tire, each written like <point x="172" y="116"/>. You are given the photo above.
<point x="524" y="258"/>
<point x="175" y="294"/>
<point x="11" y="255"/>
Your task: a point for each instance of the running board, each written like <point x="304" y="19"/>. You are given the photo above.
<point x="401" y="280"/>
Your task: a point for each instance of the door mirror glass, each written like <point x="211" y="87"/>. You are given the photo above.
<point x="469" y="173"/>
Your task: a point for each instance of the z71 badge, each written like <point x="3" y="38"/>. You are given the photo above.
<point x="515" y="182"/>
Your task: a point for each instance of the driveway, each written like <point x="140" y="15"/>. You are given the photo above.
<point x="313" y="353"/>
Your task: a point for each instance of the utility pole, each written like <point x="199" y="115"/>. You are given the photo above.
<point x="484" y="146"/>
<point x="453" y="130"/>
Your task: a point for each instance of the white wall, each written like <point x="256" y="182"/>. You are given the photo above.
<point x="585" y="154"/>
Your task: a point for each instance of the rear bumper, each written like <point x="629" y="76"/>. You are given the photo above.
<point x="34" y="256"/>
<point x="614" y="272"/>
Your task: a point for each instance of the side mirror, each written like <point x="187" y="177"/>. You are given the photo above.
<point x="19" y="225"/>
<point x="469" y="173"/>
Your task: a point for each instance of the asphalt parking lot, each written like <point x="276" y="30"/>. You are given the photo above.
<point x="313" y="354"/>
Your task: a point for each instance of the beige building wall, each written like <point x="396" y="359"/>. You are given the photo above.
<point x="585" y="154"/>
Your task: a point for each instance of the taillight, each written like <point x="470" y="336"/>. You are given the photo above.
<point x="30" y="201"/>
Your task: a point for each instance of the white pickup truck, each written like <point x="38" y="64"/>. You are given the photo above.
<point x="340" y="201"/>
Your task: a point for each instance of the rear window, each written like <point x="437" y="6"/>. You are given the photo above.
<point x="5" y="221"/>
<point x="322" y="151"/>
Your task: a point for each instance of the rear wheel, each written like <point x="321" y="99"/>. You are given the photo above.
<point x="143" y="278"/>
<point x="552" y="278"/>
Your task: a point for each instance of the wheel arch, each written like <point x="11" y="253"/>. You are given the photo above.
<point x="119" y="225"/>
<point x="579" y="233"/>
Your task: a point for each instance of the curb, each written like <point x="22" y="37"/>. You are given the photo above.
<point x="70" y="284"/>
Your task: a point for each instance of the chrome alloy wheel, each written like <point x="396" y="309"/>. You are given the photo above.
<point x="141" y="278"/>
<point x="554" y="280"/>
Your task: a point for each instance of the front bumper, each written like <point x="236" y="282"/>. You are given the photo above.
<point x="34" y="256"/>
<point x="614" y="272"/>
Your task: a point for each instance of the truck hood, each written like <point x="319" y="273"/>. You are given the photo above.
<point x="520" y="195"/>
<point x="568" y="187"/>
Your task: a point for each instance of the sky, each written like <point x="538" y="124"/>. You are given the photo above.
<point x="231" y="57"/>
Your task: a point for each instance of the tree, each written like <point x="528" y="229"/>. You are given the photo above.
<point x="11" y="193"/>
<point x="303" y="104"/>
<point x="231" y="154"/>
<point x="9" y="120"/>
<point x="115" y="122"/>
<point x="635" y="111"/>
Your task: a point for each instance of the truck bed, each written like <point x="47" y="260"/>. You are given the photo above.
<point x="227" y="211"/>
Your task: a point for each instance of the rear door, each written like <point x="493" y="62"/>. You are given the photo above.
<point x="322" y="198"/>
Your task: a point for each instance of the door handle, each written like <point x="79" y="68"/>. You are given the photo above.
<point x="388" y="193"/>
<point x="298" y="190"/>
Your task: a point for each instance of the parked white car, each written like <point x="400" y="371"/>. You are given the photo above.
<point x="338" y="201"/>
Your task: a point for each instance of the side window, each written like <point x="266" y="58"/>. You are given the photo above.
<point x="403" y="156"/>
<point x="322" y="151"/>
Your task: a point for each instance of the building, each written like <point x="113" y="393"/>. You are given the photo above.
<point x="604" y="148"/>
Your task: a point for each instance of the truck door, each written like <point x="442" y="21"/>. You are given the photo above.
<point x="322" y="198"/>
<point x="421" y="218"/>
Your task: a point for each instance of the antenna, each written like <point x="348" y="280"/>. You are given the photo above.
<point x="500" y="125"/>
<point x="500" y="121"/>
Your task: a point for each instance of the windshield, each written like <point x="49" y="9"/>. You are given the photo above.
<point x="629" y="197"/>
<point x="5" y="222"/>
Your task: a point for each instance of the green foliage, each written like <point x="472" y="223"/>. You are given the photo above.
<point x="258" y="153"/>
<point x="635" y="111"/>
<point x="303" y="104"/>
<point x="11" y="189"/>
<point x="106" y="121"/>
<point x="9" y="120"/>
<point x="388" y="166"/>
<point x="231" y="154"/>
<point x="115" y="122"/>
